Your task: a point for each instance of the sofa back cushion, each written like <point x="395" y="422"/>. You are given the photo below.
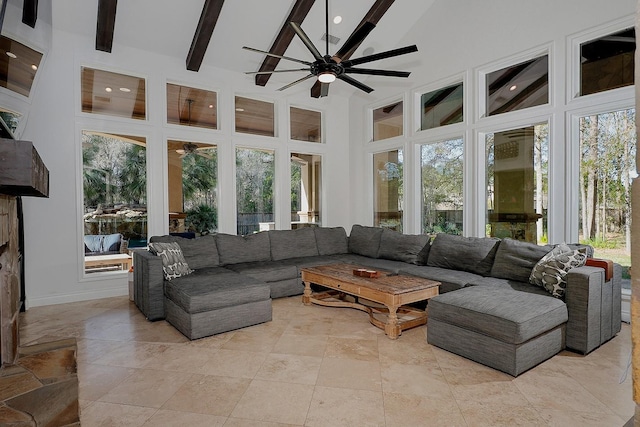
<point x="331" y="240"/>
<point x="472" y="254"/>
<point x="198" y="253"/>
<point x="287" y="244"/>
<point x="413" y="249"/>
<point x="93" y="243"/>
<point x="515" y="259"/>
<point x="236" y="249"/>
<point x="365" y="240"/>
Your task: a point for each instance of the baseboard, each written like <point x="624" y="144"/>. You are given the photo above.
<point x="626" y="306"/>
<point x="77" y="296"/>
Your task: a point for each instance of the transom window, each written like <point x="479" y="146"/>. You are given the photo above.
<point x="254" y="116"/>
<point x="305" y="125"/>
<point x="114" y="94"/>
<point x="189" y="106"/>
<point x="441" y="107"/>
<point x="607" y="62"/>
<point x="388" y="121"/>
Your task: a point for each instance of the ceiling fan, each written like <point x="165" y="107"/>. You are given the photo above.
<point x="328" y="68"/>
<point x="191" y="148"/>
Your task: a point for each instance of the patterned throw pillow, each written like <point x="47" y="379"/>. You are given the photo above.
<point x="551" y="271"/>
<point x="173" y="263"/>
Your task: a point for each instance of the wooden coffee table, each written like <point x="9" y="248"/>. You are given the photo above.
<point x="389" y="291"/>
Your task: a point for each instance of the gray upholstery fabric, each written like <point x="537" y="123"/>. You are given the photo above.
<point x="413" y="249"/>
<point x="509" y="316"/>
<point x="331" y="240"/>
<point x="472" y="254"/>
<point x="451" y="280"/>
<point x="616" y="306"/>
<point x="292" y="243"/>
<point x="213" y="288"/>
<point x="586" y="249"/>
<point x="515" y="259"/>
<point x="509" y="284"/>
<point x="201" y="252"/>
<point x="266" y="271"/>
<point x="236" y="249"/>
<point x="584" y="302"/>
<point x="511" y="358"/>
<point x="365" y="240"/>
<point x="148" y="284"/>
<point x="199" y="325"/>
<point x="286" y="288"/>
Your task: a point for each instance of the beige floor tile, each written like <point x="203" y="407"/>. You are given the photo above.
<point x="91" y="350"/>
<point x="338" y="407"/>
<point x="427" y="381"/>
<point x="132" y="354"/>
<point x="252" y="341"/>
<point x="302" y="346"/>
<point x="161" y="332"/>
<point x="309" y="326"/>
<point x="234" y="363"/>
<point x="240" y="422"/>
<point x="484" y="385"/>
<point x="488" y="415"/>
<point x="104" y="414"/>
<point x="349" y="348"/>
<point x="403" y="410"/>
<point x="290" y="368"/>
<point x="205" y="394"/>
<point x="350" y="373"/>
<point x="617" y="397"/>
<point x="97" y="380"/>
<point x="563" y="418"/>
<point x="166" y="418"/>
<point x="146" y="387"/>
<point x="409" y="349"/>
<point x="180" y="358"/>
<point x="357" y="328"/>
<point x="275" y="402"/>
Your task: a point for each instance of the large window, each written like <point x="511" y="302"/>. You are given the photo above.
<point x="193" y="187"/>
<point x="18" y="65"/>
<point x="517" y="183"/>
<point x="255" y="170"/>
<point x="519" y="86"/>
<point x="254" y="116"/>
<point x="114" y="94"/>
<point x="607" y="62"/>
<point x="189" y="106"/>
<point x="388" y="121"/>
<point x="387" y="191"/>
<point x="441" y="165"/>
<point x="306" y="179"/>
<point x="114" y="192"/>
<point x="306" y="125"/>
<point x="441" y="107"/>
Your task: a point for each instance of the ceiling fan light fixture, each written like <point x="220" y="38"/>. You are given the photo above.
<point x="326" y="77"/>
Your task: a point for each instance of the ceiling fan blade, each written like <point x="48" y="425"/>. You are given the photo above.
<point x="296" y="82"/>
<point x="307" y="41"/>
<point x="355" y="83"/>
<point x="277" y="71"/>
<point x="324" y="89"/>
<point x="381" y="55"/>
<point x="389" y="73"/>
<point x="319" y="89"/>
<point x="277" y="56"/>
<point x="355" y="39"/>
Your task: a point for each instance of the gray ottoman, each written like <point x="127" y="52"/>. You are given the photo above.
<point x="508" y="330"/>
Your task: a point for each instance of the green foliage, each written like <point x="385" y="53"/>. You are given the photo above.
<point x="599" y="243"/>
<point x="202" y="219"/>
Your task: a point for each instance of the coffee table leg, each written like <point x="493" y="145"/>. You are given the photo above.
<point x="306" y="296"/>
<point x="392" y="329"/>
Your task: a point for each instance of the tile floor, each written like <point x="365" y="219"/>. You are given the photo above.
<point x="316" y="366"/>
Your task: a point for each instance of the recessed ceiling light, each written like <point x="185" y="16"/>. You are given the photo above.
<point x="512" y="88"/>
<point x="107" y="89"/>
<point x="125" y="89"/>
<point x="34" y="67"/>
<point x="337" y="19"/>
<point x="11" y="55"/>
<point x="210" y="105"/>
<point x="240" y="110"/>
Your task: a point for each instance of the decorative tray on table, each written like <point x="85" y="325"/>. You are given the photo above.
<point x="363" y="272"/>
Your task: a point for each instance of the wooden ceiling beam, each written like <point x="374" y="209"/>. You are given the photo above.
<point x="30" y="12"/>
<point x="299" y="11"/>
<point x="106" y="24"/>
<point x="204" y="31"/>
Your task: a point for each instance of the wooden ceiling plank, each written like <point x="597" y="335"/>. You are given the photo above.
<point x="298" y="12"/>
<point x="204" y="31"/>
<point x="30" y="12"/>
<point x="105" y="25"/>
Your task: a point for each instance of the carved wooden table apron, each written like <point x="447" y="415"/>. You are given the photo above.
<point x="391" y="291"/>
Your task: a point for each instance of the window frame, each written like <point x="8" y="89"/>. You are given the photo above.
<point x="383" y="103"/>
<point x="455" y="79"/>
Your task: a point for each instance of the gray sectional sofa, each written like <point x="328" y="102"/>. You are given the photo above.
<point x="487" y="311"/>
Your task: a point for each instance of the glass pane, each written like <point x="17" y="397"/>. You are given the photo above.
<point x="517" y="183"/>
<point x="10" y="121"/>
<point x="607" y="63"/>
<point x="254" y="117"/>
<point x="387" y="190"/>
<point x="255" y="171"/>
<point x="519" y="86"/>
<point x="441" y="107"/>
<point x="193" y="187"/>
<point x="114" y="198"/>
<point x="607" y="166"/>
<point x="192" y="107"/>
<point x="306" y="125"/>
<point x="388" y="121"/>
<point x="306" y="186"/>
<point x="113" y="94"/>
<point x="442" y="166"/>
<point x="18" y="66"/>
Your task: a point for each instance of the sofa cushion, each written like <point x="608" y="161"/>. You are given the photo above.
<point x="331" y="240"/>
<point x="551" y="271"/>
<point x="201" y="252"/>
<point x="111" y="242"/>
<point x="507" y="315"/>
<point x="450" y="280"/>
<point x="236" y="249"/>
<point x="413" y="249"/>
<point x="287" y="244"/>
<point x="365" y="240"/>
<point x="173" y="263"/>
<point x="93" y="243"/>
<point x="472" y="254"/>
<point x="269" y="271"/>
<point x="515" y="259"/>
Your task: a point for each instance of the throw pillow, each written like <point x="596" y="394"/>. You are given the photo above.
<point x="551" y="271"/>
<point x="173" y="263"/>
